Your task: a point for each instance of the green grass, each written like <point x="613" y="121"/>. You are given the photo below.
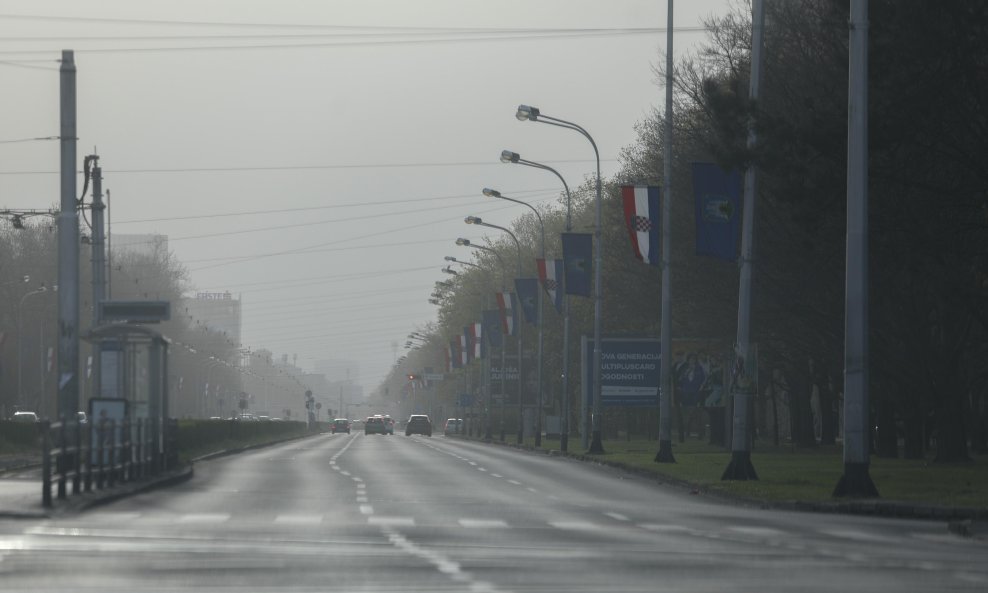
<point x="787" y="474"/>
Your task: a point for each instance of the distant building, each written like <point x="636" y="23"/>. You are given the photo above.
<point x="217" y="311"/>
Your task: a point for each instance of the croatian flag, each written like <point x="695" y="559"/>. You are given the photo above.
<point x="465" y="349"/>
<point x="641" y="215"/>
<point x="551" y="276"/>
<point x="476" y="335"/>
<point x="506" y="304"/>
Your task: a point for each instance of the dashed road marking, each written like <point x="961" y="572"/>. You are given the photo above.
<point x="392" y="521"/>
<point x="573" y="525"/>
<point x="362" y="499"/>
<point x="366" y="509"/>
<point x="497" y="475"/>
<point x="664" y="527"/>
<point x="759" y="531"/>
<point x="617" y="516"/>
<point x="298" y="519"/>
<point x="515" y="482"/>
<point x="482" y="523"/>
<point x="204" y="518"/>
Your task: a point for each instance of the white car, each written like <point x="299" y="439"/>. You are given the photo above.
<point x="25" y="417"/>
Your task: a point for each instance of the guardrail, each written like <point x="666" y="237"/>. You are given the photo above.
<point x="102" y="454"/>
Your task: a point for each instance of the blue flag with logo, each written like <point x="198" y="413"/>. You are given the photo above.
<point x="577" y="254"/>
<point x="528" y="296"/>
<point x="717" y="200"/>
<point x="492" y="327"/>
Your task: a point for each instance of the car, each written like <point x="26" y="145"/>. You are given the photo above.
<point x="375" y="425"/>
<point x="453" y="426"/>
<point x="418" y="424"/>
<point x="82" y="418"/>
<point x="389" y="424"/>
<point x="340" y="425"/>
<point x="25" y="417"/>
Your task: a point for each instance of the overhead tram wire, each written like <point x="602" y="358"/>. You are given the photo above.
<point x="303" y="250"/>
<point x="471" y="197"/>
<point x="327" y="250"/>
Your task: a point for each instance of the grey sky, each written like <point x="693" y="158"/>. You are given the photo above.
<point x="331" y="128"/>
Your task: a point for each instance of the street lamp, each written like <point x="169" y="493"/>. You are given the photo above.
<point x="20" y="355"/>
<point x="452" y="259"/>
<point x="508" y="156"/>
<point x="493" y="193"/>
<point x="490" y="403"/>
<point x="528" y="113"/>
<point x="520" y="322"/>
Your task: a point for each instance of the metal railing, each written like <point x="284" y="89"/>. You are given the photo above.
<point x="102" y="454"/>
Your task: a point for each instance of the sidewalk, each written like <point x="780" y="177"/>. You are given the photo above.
<point x="21" y="498"/>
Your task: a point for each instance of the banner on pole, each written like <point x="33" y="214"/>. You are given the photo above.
<point x="577" y="257"/>
<point x="717" y="199"/>
<point x="528" y="296"/>
<point x="641" y="217"/>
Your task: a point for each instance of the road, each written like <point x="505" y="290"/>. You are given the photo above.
<point x="395" y="513"/>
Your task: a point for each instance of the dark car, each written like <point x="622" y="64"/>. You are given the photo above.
<point x="341" y="425"/>
<point x="375" y="425"/>
<point x="389" y="424"/>
<point x="418" y="424"/>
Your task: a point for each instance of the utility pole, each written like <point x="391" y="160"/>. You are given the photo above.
<point x="856" y="480"/>
<point x="68" y="246"/>
<point x="740" y="467"/>
<point x="98" y="260"/>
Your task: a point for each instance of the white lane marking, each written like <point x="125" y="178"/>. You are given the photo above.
<point x="362" y="499"/>
<point x="482" y="523"/>
<point x="391" y="521"/>
<point x="854" y="534"/>
<point x="664" y="527"/>
<point x="474" y="463"/>
<point x="617" y="516"/>
<point x="115" y="517"/>
<point x="366" y="509"/>
<point x="532" y="490"/>
<point x="759" y="531"/>
<point x="356" y="479"/>
<point x="497" y="475"/>
<point x="204" y="518"/>
<point x="573" y="525"/>
<point x="298" y="519"/>
<point x="480" y="469"/>
<point x="345" y="473"/>
<point x="515" y="482"/>
<point x="442" y="563"/>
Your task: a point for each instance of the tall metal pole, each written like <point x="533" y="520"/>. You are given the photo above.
<point x="665" y="369"/>
<point x="68" y="247"/>
<point x="98" y="260"/>
<point x="596" y="443"/>
<point x="740" y="467"/>
<point x="856" y="480"/>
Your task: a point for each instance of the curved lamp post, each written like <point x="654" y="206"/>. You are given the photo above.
<point x="490" y="403"/>
<point x="20" y="324"/>
<point x="520" y="321"/>
<point x="493" y="193"/>
<point x="528" y="113"/>
<point x="508" y="156"/>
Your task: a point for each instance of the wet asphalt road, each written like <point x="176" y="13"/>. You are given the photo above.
<point x="395" y="513"/>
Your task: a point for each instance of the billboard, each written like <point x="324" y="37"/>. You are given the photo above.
<point x="629" y="371"/>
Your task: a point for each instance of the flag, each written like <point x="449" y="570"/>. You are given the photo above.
<point x="717" y="197"/>
<point x="577" y="252"/>
<point x="455" y="359"/>
<point x="528" y="297"/>
<point x="641" y="216"/>
<point x="551" y="275"/>
<point x="476" y="341"/>
<point x="506" y="304"/>
<point x="492" y="328"/>
<point x="466" y="347"/>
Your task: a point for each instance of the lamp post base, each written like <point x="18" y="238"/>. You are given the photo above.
<point x="740" y="467"/>
<point x="596" y="446"/>
<point x="665" y="453"/>
<point x="856" y="482"/>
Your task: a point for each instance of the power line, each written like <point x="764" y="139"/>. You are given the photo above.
<point x="298" y="167"/>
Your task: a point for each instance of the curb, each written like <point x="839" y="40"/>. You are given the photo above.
<point x="234" y="451"/>
<point x="963" y="517"/>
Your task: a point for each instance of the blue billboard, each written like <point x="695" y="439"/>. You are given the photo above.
<point x="629" y="371"/>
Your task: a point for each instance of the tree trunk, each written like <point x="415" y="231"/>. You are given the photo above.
<point x="979" y="423"/>
<point x="951" y="432"/>
<point x="828" y="419"/>
<point x="887" y="439"/>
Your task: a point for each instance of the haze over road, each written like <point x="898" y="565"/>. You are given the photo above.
<point x="394" y="513"/>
